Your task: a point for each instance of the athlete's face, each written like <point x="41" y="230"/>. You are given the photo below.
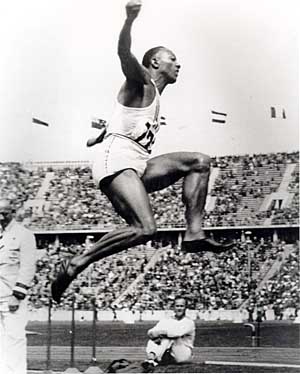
<point x="5" y="213"/>
<point x="168" y="65"/>
<point x="180" y="308"/>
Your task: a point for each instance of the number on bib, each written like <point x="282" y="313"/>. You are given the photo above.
<point x="147" y="138"/>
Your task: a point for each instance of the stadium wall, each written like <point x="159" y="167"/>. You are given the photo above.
<point x="290" y="234"/>
<point x="126" y="316"/>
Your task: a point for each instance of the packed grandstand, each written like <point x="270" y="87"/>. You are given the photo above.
<point x="254" y="199"/>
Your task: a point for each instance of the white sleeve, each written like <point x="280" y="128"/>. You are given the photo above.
<point x="158" y="328"/>
<point x="27" y="262"/>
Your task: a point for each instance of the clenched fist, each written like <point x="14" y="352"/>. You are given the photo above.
<point x="133" y="8"/>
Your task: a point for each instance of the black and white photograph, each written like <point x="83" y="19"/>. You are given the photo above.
<point x="149" y="186"/>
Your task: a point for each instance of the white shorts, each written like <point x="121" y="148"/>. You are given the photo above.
<point x="117" y="153"/>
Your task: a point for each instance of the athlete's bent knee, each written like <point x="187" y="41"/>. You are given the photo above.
<point x="203" y="162"/>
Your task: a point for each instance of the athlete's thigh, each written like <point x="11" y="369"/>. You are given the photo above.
<point x="128" y="196"/>
<point x="164" y="170"/>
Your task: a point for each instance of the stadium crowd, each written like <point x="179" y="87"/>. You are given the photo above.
<point x="70" y="198"/>
<point x="210" y="281"/>
<point x="282" y="291"/>
<point x="289" y="215"/>
<point x="104" y="280"/>
<point x="19" y="183"/>
<point x="73" y="200"/>
<point x="65" y="197"/>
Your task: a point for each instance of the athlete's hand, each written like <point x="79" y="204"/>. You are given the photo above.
<point x="133" y="8"/>
<point x="98" y="139"/>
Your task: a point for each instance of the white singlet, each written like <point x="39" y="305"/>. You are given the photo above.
<point x="138" y="124"/>
<point x="130" y="136"/>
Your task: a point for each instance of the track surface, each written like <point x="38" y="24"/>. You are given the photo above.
<point x="260" y="355"/>
<point x="219" y="347"/>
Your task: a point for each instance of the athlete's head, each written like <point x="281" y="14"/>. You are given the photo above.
<point x="6" y="212"/>
<point x="163" y="61"/>
<point x="180" y="306"/>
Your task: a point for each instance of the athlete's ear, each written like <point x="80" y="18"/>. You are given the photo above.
<point x="154" y="63"/>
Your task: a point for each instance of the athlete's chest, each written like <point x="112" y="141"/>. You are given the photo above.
<point x="135" y="96"/>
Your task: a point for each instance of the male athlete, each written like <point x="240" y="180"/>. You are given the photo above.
<point x="124" y="171"/>
<point x="171" y="339"/>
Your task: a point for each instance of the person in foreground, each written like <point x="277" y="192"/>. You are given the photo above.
<point x="172" y="339"/>
<point x="17" y="268"/>
<point x="124" y="171"/>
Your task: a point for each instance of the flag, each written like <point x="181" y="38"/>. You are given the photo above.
<point x="163" y="121"/>
<point x="98" y="123"/>
<point x="218" y="120"/>
<point x="219" y="117"/>
<point x="273" y="112"/>
<point x="39" y="122"/>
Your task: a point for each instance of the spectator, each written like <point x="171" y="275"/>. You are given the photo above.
<point x="172" y="339"/>
<point x="17" y="267"/>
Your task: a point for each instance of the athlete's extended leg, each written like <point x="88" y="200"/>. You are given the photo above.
<point x="164" y="170"/>
<point x="129" y="197"/>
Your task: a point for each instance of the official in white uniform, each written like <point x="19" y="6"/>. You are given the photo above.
<point x="172" y="336"/>
<point x="17" y="268"/>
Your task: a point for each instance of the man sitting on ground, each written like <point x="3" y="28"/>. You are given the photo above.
<point x="172" y="339"/>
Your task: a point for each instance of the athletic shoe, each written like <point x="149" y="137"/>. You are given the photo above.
<point x="206" y="244"/>
<point x="149" y="365"/>
<point x="61" y="282"/>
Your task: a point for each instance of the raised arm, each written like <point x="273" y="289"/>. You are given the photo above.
<point x="131" y="68"/>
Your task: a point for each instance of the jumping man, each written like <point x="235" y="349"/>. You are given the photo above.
<point x="124" y="171"/>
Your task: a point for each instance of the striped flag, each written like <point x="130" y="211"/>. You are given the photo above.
<point x="39" y="122"/>
<point x="218" y="117"/>
<point x="163" y="121"/>
<point x="98" y="123"/>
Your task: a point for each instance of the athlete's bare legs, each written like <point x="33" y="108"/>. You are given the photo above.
<point x="130" y="199"/>
<point x="128" y="194"/>
<point x="195" y="168"/>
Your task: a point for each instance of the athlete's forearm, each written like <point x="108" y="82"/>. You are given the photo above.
<point x="132" y="10"/>
<point x="98" y="139"/>
<point x="130" y="66"/>
<point x="124" y="45"/>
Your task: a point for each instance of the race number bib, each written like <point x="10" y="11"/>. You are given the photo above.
<point x="147" y="138"/>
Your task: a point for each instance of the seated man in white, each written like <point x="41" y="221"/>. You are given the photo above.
<point x="172" y="339"/>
